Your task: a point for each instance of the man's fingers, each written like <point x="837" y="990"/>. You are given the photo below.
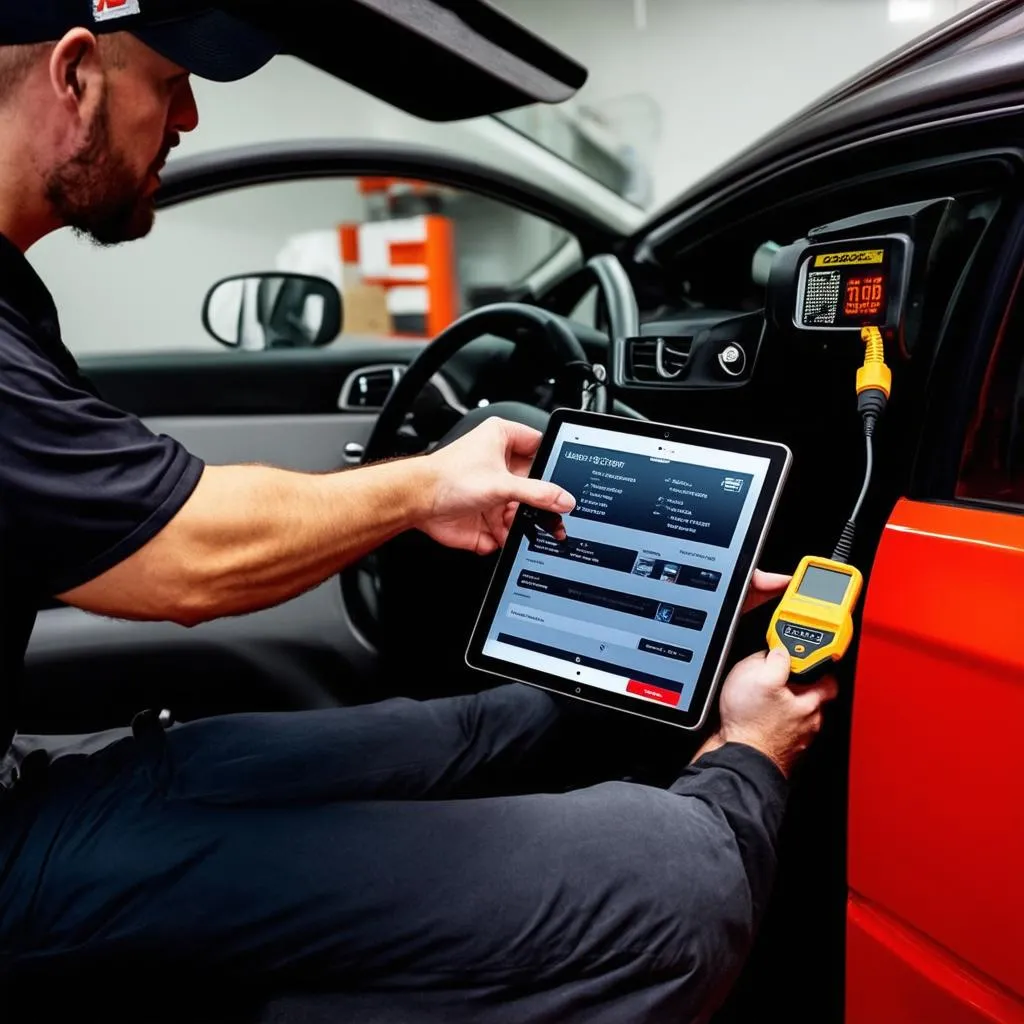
<point x="763" y="587"/>
<point x="487" y="544"/>
<point x="495" y="534"/>
<point x="829" y="688"/>
<point x="771" y="667"/>
<point x="543" y="495"/>
<point x="777" y="666"/>
<point x="521" y="440"/>
<point x="813" y="696"/>
<point x="520" y="465"/>
<point x="770" y="582"/>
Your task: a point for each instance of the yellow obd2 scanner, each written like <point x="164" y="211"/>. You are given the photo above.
<point x="814" y="620"/>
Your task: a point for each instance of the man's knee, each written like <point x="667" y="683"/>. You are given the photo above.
<point x="509" y="716"/>
<point x="660" y="879"/>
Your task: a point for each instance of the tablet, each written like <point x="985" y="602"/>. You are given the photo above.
<point x="636" y="606"/>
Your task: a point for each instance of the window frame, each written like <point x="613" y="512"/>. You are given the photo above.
<point x="981" y="308"/>
<point x="240" y="170"/>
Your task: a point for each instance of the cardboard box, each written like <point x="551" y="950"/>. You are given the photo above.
<point x="366" y="310"/>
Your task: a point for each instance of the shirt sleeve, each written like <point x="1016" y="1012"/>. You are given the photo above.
<point x="82" y="485"/>
<point x="747" y="793"/>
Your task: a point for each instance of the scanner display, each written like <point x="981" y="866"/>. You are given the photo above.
<point x="849" y="286"/>
<point x="864" y="296"/>
<point x="846" y="289"/>
<point x="824" y="584"/>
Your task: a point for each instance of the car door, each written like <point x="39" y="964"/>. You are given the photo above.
<point x="935" y="919"/>
<point x="439" y="235"/>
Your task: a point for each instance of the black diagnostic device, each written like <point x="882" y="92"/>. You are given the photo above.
<point x="876" y="269"/>
<point x="857" y="283"/>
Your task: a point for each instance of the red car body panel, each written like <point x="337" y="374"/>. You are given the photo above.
<point x="935" y="924"/>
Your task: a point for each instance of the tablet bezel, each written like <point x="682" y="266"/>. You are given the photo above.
<point x="779" y="460"/>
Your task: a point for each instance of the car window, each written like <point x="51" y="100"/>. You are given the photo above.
<point x="992" y="465"/>
<point x="407" y="257"/>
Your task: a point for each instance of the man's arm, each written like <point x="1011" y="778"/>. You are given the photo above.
<point x="250" y="536"/>
<point x="736" y="792"/>
<point x="740" y="771"/>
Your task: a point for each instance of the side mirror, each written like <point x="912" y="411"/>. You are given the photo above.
<point x="273" y="310"/>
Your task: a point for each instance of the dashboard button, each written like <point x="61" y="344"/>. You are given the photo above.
<point x="733" y="360"/>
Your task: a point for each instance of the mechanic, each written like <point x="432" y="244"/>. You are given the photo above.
<point x="328" y="848"/>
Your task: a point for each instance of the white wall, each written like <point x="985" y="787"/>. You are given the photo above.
<point x="289" y="99"/>
<point x="148" y="295"/>
<point x="724" y="72"/>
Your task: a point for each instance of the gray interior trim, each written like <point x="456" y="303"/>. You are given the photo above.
<point x="313" y="444"/>
<point x="396" y="370"/>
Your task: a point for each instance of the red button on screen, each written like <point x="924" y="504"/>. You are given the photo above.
<point x="652" y="692"/>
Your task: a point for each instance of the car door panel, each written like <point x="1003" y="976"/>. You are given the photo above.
<point x="309" y="444"/>
<point x="935" y="771"/>
<point x="900" y="977"/>
<point x="88" y="673"/>
<point x="234" y="383"/>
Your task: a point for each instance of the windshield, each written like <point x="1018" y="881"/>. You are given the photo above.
<point x="678" y="87"/>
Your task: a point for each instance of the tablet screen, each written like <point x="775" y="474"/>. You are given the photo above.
<point x="630" y="600"/>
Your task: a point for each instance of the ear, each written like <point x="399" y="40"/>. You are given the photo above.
<point x="76" y="71"/>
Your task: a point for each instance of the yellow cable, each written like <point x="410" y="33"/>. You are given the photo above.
<point x="874" y="373"/>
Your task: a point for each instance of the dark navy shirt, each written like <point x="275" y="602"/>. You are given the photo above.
<point x="82" y="485"/>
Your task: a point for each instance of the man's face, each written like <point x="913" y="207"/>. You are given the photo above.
<point x="106" y="188"/>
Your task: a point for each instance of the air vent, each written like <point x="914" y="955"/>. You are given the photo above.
<point x="659" y="360"/>
<point x="643" y="357"/>
<point x="369" y="387"/>
<point x="673" y="357"/>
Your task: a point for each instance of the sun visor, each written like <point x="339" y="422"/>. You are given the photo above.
<point x="441" y="60"/>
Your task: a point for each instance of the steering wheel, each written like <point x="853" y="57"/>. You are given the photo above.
<point x="382" y="590"/>
<point x="545" y="332"/>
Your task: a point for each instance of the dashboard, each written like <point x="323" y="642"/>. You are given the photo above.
<point x="880" y="268"/>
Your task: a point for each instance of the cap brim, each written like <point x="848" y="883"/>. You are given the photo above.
<point x="212" y="45"/>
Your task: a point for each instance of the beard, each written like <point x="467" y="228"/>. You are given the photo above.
<point x="97" y="193"/>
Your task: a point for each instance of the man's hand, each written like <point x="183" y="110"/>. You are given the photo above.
<point x="763" y="588"/>
<point x="481" y="479"/>
<point x="760" y="708"/>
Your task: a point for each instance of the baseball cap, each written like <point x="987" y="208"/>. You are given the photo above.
<point x="202" y="38"/>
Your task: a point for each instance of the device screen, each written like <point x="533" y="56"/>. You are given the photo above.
<point x="846" y="289"/>
<point x="824" y="584"/>
<point x="630" y="600"/>
<point x="864" y="295"/>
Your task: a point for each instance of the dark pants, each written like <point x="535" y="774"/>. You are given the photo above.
<point x="345" y="849"/>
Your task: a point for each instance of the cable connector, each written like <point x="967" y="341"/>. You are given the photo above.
<point x="871" y="405"/>
<point x="844" y="548"/>
<point x="874" y="380"/>
<point x="874" y="375"/>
